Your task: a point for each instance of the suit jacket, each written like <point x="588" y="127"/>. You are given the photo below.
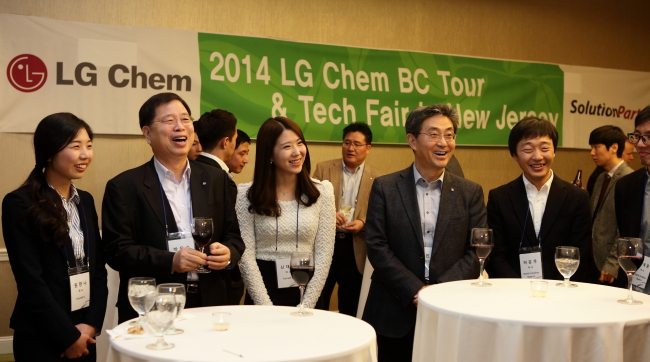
<point x="40" y="268"/>
<point x="134" y="229"/>
<point x="396" y="247"/>
<point x="628" y="200"/>
<point x="211" y="162"/>
<point x="605" y="230"/>
<point x="332" y="171"/>
<point x="566" y="222"/>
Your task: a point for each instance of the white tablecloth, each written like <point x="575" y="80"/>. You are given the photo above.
<point x="258" y="333"/>
<point x="504" y="323"/>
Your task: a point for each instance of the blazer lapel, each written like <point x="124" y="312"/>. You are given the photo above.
<point x="556" y="196"/>
<point x="153" y="193"/>
<point x="336" y="174"/>
<point x="519" y="202"/>
<point x="445" y="209"/>
<point x="364" y="189"/>
<point x="198" y="189"/>
<point x="406" y="189"/>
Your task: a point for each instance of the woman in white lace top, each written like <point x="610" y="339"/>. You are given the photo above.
<point x="284" y="210"/>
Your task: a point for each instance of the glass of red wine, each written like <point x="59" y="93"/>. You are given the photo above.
<point x="482" y="242"/>
<point x="202" y="234"/>
<point x="302" y="269"/>
<point x="630" y="257"/>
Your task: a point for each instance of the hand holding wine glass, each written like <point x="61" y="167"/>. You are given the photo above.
<point x="160" y="318"/>
<point x="202" y="234"/>
<point x="567" y="260"/>
<point x="630" y="257"/>
<point x="178" y="290"/>
<point x="141" y="292"/>
<point x="302" y="269"/>
<point x="482" y="242"/>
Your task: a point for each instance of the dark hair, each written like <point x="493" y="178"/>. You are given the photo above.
<point x="608" y="135"/>
<point x="46" y="215"/>
<point x="531" y="127"/>
<point x="420" y="114"/>
<point x="642" y="117"/>
<point x="242" y="137"/>
<point x="148" y="110"/>
<point x="359" y="127"/>
<point x="215" y="126"/>
<point x="262" y="194"/>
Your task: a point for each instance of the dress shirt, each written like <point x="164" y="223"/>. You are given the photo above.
<point x="611" y="172"/>
<point x="74" y="224"/>
<point x="428" y="194"/>
<point x="350" y="182"/>
<point x="645" y="223"/>
<point x="537" y="200"/>
<point x="178" y="194"/>
<point x="219" y="161"/>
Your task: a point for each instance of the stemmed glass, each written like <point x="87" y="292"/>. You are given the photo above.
<point x="161" y="317"/>
<point x="179" y="291"/>
<point x="630" y="257"/>
<point x="141" y="291"/>
<point x="482" y="242"/>
<point x="567" y="259"/>
<point x="202" y="234"/>
<point x="302" y="269"/>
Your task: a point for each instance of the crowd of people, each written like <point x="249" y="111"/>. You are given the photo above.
<point x="413" y="225"/>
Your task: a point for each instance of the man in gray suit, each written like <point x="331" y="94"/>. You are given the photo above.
<point x="607" y="146"/>
<point x="418" y="230"/>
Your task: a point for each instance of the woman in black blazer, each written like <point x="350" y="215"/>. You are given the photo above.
<point x="51" y="232"/>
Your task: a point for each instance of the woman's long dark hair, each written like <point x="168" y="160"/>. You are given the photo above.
<point x="262" y="194"/>
<point x="46" y="215"/>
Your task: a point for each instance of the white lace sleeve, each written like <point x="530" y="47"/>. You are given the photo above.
<point x="248" y="265"/>
<point x="324" y="243"/>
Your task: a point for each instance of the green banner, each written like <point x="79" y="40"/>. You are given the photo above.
<point x="323" y="88"/>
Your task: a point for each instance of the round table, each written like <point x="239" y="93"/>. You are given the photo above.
<point x="257" y="333"/>
<point x="504" y="323"/>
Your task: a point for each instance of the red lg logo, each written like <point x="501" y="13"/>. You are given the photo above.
<point x="27" y="73"/>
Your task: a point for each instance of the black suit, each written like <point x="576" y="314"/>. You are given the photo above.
<point x="43" y="323"/>
<point x="566" y="222"/>
<point x="134" y="229"/>
<point x="211" y="162"/>
<point x="628" y="200"/>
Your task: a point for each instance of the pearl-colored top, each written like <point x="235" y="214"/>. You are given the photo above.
<point x="316" y="231"/>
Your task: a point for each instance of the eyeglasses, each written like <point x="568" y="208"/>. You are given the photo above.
<point x="169" y="122"/>
<point x="435" y="137"/>
<point x="348" y="144"/>
<point x="634" y="138"/>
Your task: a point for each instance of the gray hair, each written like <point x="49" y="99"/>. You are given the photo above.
<point x="420" y="114"/>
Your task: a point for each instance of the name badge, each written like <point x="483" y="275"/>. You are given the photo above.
<point x="641" y="275"/>
<point x="427" y="260"/>
<point x="177" y="241"/>
<point x="283" y="273"/>
<point x="531" y="265"/>
<point x="79" y="290"/>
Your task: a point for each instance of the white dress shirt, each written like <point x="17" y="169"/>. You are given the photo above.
<point x="537" y="200"/>
<point x="219" y="161"/>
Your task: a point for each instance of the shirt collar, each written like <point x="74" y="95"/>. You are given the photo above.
<point x="358" y="169"/>
<point x="547" y="184"/>
<point x="611" y="172"/>
<point x="218" y="160"/>
<point x="419" y="177"/>
<point x="74" y="195"/>
<point x="164" y="173"/>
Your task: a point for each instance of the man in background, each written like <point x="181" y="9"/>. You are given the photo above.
<point x="217" y="131"/>
<point x="239" y="158"/>
<point x="627" y="156"/>
<point x="352" y="180"/>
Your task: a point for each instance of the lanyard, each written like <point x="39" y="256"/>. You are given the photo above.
<point x="276" y="228"/>
<point x="523" y="232"/>
<point x="82" y="215"/>
<point x="163" y="198"/>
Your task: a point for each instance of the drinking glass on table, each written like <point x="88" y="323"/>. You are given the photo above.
<point x="302" y="269"/>
<point x="482" y="242"/>
<point x="178" y="290"/>
<point x="202" y="234"/>
<point x="567" y="259"/>
<point x="141" y="292"/>
<point x="630" y="257"/>
<point x="161" y="317"/>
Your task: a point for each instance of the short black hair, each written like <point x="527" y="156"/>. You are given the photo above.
<point x="148" y="110"/>
<point x="531" y="127"/>
<point x="608" y="135"/>
<point x="642" y="117"/>
<point x="242" y="137"/>
<point x="214" y="126"/>
<point x="359" y="127"/>
<point x="419" y="115"/>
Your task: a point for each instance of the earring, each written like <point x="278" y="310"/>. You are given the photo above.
<point x="271" y="162"/>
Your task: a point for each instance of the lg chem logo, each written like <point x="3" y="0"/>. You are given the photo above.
<point x="27" y="73"/>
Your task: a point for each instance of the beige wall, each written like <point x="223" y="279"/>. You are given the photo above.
<point x="584" y="32"/>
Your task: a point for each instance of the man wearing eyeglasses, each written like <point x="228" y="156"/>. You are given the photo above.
<point x="418" y="230"/>
<point x="352" y="178"/>
<point x="147" y="212"/>
<point x="632" y="197"/>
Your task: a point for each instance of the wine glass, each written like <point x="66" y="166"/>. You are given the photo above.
<point x="482" y="242"/>
<point x="141" y="291"/>
<point x="302" y="269"/>
<point x="630" y="257"/>
<point x="202" y="234"/>
<point x="567" y="259"/>
<point x="179" y="291"/>
<point x="346" y="208"/>
<point x="161" y="317"/>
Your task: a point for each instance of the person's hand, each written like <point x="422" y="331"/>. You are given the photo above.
<point x="354" y="226"/>
<point x="87" y="329"/>
<point x="188" y="259"/>
<point x="415" y="299"/>
<point x="220" y="256"/>
<point x="79" y="348"/>
<point x="606" y="278"/>
<point x="340" y="219"/>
